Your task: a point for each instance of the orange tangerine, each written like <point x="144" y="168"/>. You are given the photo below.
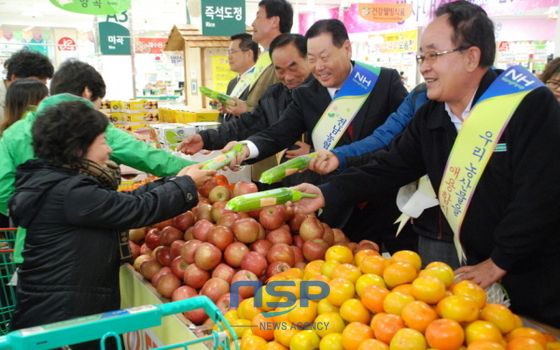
<point x="373" y="344"/>
<point x="340" y="253"/>
<point x="522" y="343"/>
<point x="263" y="327"/>
<point x="354" y="334"/>
<point x="399" y="273"/>
<point x="428" y="288"/>
<point x="284" y="336"/>
<point x="247" y="309"/>
<point x="480" y="329"/>
<point x="444" y="334"/>
<point x="470" y="290"/>
<point x="527" y="333"/>
<point x="442" y="271"/>
<point x="252" y="342"/>
<point x="347" y="271"/>
<point x="385" y="326"/>
<point x="342" y="289"/>
<point x="407" y="256"/>
<point x="483" y="344"/>
<point x="403" y="288"/>
<point x="362" y="254"/>
<point x="305" y="340"/>
<point x="373" y="297"/>
<point x="304" y="312"/>
<point x="418" y="315"/>
<point x="312" y="268"/>
<point x="367" y="280"/>
<point x="395" y="301"/>
<point x="332" y="321"/>
<point x="352" y="310"/>
<point x="325" y="306"/>
<point x="499" y="315"/>
<point x="458" y="308"/>
<point x="273" y="345"/>
<point x="328" y="267"/>
<point x="375" y="264"/>
<point x="408" y="339"/>
<point x="331" y="341"/>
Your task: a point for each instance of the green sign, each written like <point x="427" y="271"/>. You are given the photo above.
<point x="93" y="7"/>
<point x="114" y="39"/>
<point x="223" y="20"/>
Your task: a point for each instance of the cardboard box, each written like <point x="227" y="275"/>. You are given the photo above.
<point x="170" y="135"/>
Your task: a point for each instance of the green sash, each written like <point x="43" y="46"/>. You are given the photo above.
<point x="262" y="63"/>
<point x="243" y="83"/>
<point x="344" y="106"/>
<point x="476" y="141"/>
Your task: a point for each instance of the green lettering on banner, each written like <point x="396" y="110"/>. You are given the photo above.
<point x="114" y="39"/>
<point x="223" y="18"/>
<point x="93" y="7"/>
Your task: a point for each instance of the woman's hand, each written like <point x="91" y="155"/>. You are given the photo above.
<point x="198" y="175"/>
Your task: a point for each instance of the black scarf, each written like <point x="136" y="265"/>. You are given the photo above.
<point x="110" y="178"/>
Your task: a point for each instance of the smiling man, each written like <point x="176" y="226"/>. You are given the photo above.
<point x="489" y="142"/>
<point x="360" y="97"/>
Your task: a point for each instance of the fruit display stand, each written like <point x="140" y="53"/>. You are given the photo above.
<point x="135" y="290"/>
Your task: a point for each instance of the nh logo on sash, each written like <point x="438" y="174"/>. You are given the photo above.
<point x="520" y="78"/>
<point x="362" y="79"/>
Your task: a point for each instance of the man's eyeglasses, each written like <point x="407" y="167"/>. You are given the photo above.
<point x="231" y="52"/>
<point x="553" y="84"/>
<point x="431" y="56"/>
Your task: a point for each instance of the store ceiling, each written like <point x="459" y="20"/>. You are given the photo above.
<point x="146" y="14"/>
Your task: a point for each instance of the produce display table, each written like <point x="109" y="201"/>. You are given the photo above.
<point x="135" y="290"/>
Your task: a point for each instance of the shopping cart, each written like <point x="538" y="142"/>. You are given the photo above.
<point x="111" y="324"/>
<point x="7" y="268"/>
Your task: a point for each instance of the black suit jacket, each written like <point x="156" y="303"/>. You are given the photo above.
<point x="310" y="100"/>
<point x="231" y="85"/>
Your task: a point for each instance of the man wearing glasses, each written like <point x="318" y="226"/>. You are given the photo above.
<point x="551" y="76"/>
<point x="489" y="144"/>
<point x="242" y="55"/>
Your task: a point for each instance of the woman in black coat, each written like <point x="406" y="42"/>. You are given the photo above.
<point x="76" y="220"/>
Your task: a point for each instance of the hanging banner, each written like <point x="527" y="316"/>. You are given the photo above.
<point x="114" y="39"/>
<point x="93" y="7"/>
<point x="149" y="45"/>
<point x="220" y="20"/>
<point x="385" y="13"/>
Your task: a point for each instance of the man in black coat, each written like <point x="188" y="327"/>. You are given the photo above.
<point x="510" y="229"/>
<point x="329" y="54"/>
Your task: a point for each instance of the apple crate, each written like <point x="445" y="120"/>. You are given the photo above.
<point x="7" y="269"/>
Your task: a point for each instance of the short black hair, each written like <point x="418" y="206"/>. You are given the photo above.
<point x="552" y="68"/>
<point x="283" y="10"/>
<point x="284" y="39"/>
<point x="333" y="26"/>
<point x="25" y="63"/>
<point x="247" y="43"/>
<point x="74" y="76"/>
<point x="471" y="27"/>
<point x="63" y="133"/>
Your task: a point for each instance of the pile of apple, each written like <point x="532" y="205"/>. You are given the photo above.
<point x="203" y="251"/>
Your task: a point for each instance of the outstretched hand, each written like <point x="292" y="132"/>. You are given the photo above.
<point x="483" y="274"/>
<point x="198" y="175"/>
<point x="325" y="162"/>
<point x="240" y="157"/>
<point x="191" y="145"/>
<point x="307" y="205"/>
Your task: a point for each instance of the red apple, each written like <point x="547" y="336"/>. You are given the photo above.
<point x="281" y="252"/>
<point x="195" y="276"/>
<point x="218" y="210"/>
<point x="300" y="265"/>
<point x="311" y="228"/>
<point x="153" y="238"/>
<point x="170" y="234"/>
<point x="224" y="303"/>
<point x="139" y="260"/>
<point x="314" y="249"/>
<point x="204" y="212"/>
<point x="144" y="249"/>
<point x="254" y="262"/>
<point x="164" y="270"/>
<point x="298" y="241"/>
<point x="261" y="246"/>
<point x="228" y="219"/>
<point x="272" y="218"/>
<point x="167" y="284"/>
<point x="134" y="249"/>
<point x="178" y="266"/>
<point x="197" y="316"/>
<point x="354" y="246"/>
<point x="175" y="248"/>
<point x="244" y="187"/>
<point x="219" y="194"/>
<point x="253" y="213"/>
<point x="188" y="249"/>
<point x="369" y="244"/>
<point x="183" y="221"/>
<point x="214" y="288"/>
<point x="149" y="268"/>
<point x="328" y="236"/>
<point x="137" y="234"/>
<point x="339" y="236"/>
<point x="188" y="234"/>
<point x="298" y="254"/>
<point x="183" y="292"/>
<point x="276" y="267"/>
<point x="205" y="189"/>
<point x="295" y="222"/>
<point x="234" y="253"/>
<point x="201" y="229"/>
<point x="221" y="237"/>
<point x="280" y="235"/>
<point x="224" y="271"/>
<point x="163" y="255"/>
<point x="246" y="230"/>
<point x="207" y="256"/>
<point x="161" y="225"/>
<point x="244" y="275"/>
